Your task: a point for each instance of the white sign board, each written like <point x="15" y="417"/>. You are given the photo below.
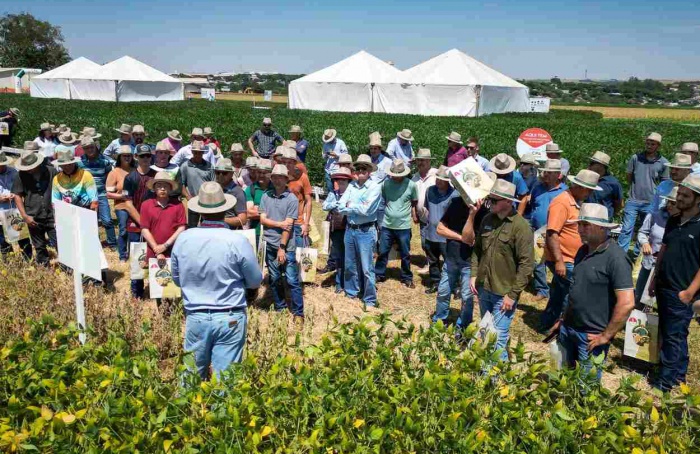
<point x="209" y="94"/>
<point x="539" y="105"/>
<point x="79" y="245"/>
<point x="267" y="96"/>
<point x="533" y="140"/>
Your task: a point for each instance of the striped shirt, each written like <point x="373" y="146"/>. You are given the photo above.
<point x="99" y="168"/>
<point x="265" y="143"/>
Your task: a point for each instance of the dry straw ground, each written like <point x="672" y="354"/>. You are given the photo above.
<point x="690" y="115"/>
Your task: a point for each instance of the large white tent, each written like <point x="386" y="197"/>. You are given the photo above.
<point x="351" y="85"/>
<point x="55" y="83"/>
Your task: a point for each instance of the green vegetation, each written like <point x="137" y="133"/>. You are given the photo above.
<point x="27" y="42"/>
<point x="579" y="134"/>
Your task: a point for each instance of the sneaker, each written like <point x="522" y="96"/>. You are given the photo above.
<point x="380" y="279"/>
<point x="409" y="284"/>
<point x="338" y="291"/>
<point x="325" y="270"/>
<point x="541" y="297"/>
<point x="430" y="290"/>
<point x="423" y="271"/>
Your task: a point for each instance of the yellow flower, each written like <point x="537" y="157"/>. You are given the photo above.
<point x="358" y="423"/>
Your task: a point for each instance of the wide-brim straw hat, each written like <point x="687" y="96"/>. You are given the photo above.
<point x="504" y="189"/>
<point x="655" y="136"/>
<point x="125" y="149"/>
<point x="251" y="162"/>
<point x="405" y="134"/>
<point x="197" y="132"/>
<point x="375" y="140"/>
<point x="552" y="148"/>
<point x="291" y="153"/>
<point x="5" y="160"/>
<point x="208" y="131"/>
<point x="124" y="129"/>
<point x="224" y="165"/>
<point x="264" y="165"/>
<point x="596" y="214"/>
<point x="175" y="135"/>
<point x="29" y="161"/>
<point x="30" y="145"/>
<point x="329" y="135"/>
<point x="423" y="153"/>
<point x="601" y="158"/>
<point x="64" y="158"/>
<point x="502" y="164"/>
<point x="689" y="147"/>
<point x="15" y="111"/>
<point x="290" y="144"/>
<point x="455" y="137"/>
<point x="237" y="148"/>
<point x="529" y="158"/>
<point x="68" y="138"/>
<point x="692" y="182"/>
<point x="198" y="145"/>
<point x="587" y="179"/>
<point x="671" y="196"/>
<point x="443" y="173"/>
<point x="88" y="131"/>
<point x="280" y="170"/>
<point x="138" y="129"/>
<point x="45" y="127"/>
<point x="163" y="177"/>
<point x="364" y="160"/>
<point x="342" y="173"/>
<point x="398" y="168"/>
<point x="211" y="199"/>
<point x="345" y="158"/>
<point x="295" y="128"/>
<point x="551" y="165"/>
<point x="680" y="161"/>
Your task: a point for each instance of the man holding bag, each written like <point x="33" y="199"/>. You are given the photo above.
<point x="8" y="175"/>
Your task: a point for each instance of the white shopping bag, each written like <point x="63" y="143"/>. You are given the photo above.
<point x="137" y="260"/>
<point x="307" y="258"/>
<point x="249" y="234"/>
<point x="642" y="337"/>
<point x="470" y="180"/>
<point x="160" y="280"/>
<point x="557" y="355"/>
<point x="326" y="228"/>
<point x="13" y="225"/>
<point x="646" y="298"/>
<point x="487" y="328"/>
<point x="4" y="129"/>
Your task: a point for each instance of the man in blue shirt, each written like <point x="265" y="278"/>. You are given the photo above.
<point x="503" y="166"/>
<point x="264" y="141"/>
<point x="527" y="171"/>
<point x="302" y="145"/>
<point x="214" y="266"/>
<point x="473" y="152"/>
<point x="542" y="194"/>
<point x="678" y="169"/>
<point x="124" y="139"/>
<point x="611" y="195"/>
<point x="360" y="203"/>
<point x="691" y="149"/>
<point x="333" y="147"/>
<point x="99" y="167"/>
<point x="401" y="147"/>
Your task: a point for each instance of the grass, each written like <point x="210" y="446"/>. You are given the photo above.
<point x="637" y="113"/>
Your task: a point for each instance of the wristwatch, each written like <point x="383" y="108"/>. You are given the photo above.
<point x="283" y="247"/>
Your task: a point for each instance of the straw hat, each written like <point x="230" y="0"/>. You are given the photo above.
<point x="503" y="189"/>
<point x="528" y="158"/>
<point x="655" y="136"/>
<point x="375" y="140"/>
<point x="364" y="160"/>
<point x="689" y="147"/>
<point x="211" y="199"/>
<point x="29" y="160"/>
<point x="68" y="138"/>
<point x="405" y="134"/>
<point x="63" y="128"/>
<point x="5" y="160"/>
<point x="343" y="173"/>
<point x="124" y="149"/>
<point x="267" y="121"/>
<point x="88" y="131"/>
<point x="281" y="170"/>
<point x="502" y="164"/>
<point x="295" y="128"/>
<point x="455" y="137"/>
<point x="197" y="132"/>
<point x="680" y="161"/>
<point x="65" y="157"/>
<point x="198" y="145"/>
<point x="264" y="165"/>
<point x="15" y="111"/>
<point x="345" y="158"/>
<point x="587" y="179"/>
<point x="224" y="165"/>
<point x="596" y="214"/>
<point x="237" y="148"/>
<point x="551" y="165"/>
<point x="492" y="176"/>
<point x="671" y="196"/>
<point x="291" y="153"/>
<point x="45" y="127"/>
<point x="279" y="150"/>
<point x="692" y="182"/>
<point x="30" y="145"/>
<point x="87" y="141"/>
<point x="552" y="148"/>
<point x="251" y="162"/>
<point x="290" y="143"/>
<point x="601" y="158"/>
<point x="398" y="168"/>
<point x="138" y="129"/>
<point x="163" y="177"/>
<point x="443" y="173"/>
<point x="329" y="135"/>
<point x="208" y="132"/>
<point x="175" y="135"/>
<point x="124" y="129"/>
<point x="423" y="153"/>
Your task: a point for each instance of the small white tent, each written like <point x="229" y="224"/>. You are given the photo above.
<point x="55" y="83"/>
<point x="347" y="86"/>
<point x="454" y="83"/>
<point x="126" y="79"/>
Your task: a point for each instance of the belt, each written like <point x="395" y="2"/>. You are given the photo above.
<point x="216" y="311"/>
<point x="360" y="226"/>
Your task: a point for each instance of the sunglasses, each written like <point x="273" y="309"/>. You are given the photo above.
<point x="221" y="172"/>
<point x="471" y="148"/>
<point x="144" y="156"/>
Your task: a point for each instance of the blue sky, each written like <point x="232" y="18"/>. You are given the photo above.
<point x="536" y="39"/>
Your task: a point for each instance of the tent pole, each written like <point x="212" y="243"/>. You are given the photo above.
<point x="478" y="99"/>
<point x="372" y="94"/>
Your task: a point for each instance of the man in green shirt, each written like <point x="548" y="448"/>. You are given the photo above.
<point x="502" y="260"/>
<point x="400" y="195"/>
<point x="254" y="193"/>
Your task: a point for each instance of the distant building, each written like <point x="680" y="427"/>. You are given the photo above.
<point x="7" y="78"/>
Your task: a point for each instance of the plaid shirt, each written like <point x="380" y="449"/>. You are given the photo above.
<point x="265" y="143"/>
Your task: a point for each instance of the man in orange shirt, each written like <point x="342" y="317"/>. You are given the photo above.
<point x="300" y="186"/>
<point x="564" y="241"/>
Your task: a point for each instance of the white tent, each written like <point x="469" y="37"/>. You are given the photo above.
<point x="55" y="83"/>
<point x="351" y="85"/>
<point x="126" y="79"/>
<point x="454" y="83"/>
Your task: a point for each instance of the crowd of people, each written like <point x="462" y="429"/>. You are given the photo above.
<point x="482" y="252"/>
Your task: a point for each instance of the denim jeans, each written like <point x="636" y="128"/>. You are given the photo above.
<point x="558" y="296"/>
<point x="337" y="252"/>
<point x="633" y="208"/>
<point x="291" y="273"/>
<point x="452" y="272"/>
<point x="122" y="237"/>
<point x="674" y="324"/>
<point x="328" y="182"/>
<point x="490" y="302"/>
<point x="575" y="343"/>
<point x="539" y="280"/>
<point x="105" y="216"/>
<point x="434" y="252"/>
<point x="386" y="239"/>
<point x="136" y="284"/>
<point x="359" y="266"/>
<point x="216" y="339"/>
<point x="298" y="239"/>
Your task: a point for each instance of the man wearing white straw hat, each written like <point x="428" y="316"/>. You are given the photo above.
<point x="45" y="140"/>
<point x="241" y="174"/>
<point x="99" y="167"/>
<point x="162" y="219"/>
<point x="456" y="152"/>
<point x="601" y="297"/>
<point x="679" y="168"/>
<point x="424" y="179"/>
<point x="379" y="159"/>
<point x="124" y="139"/>
<point x="161" y="163"/>
<point x="553" y="151"/>
<point x="279" y="211"/>
<point x="302" y="145"/>
<point x="645" y="171"/>
<point x="611" y="194"/>
<point x="237" y="217"/>
<point x="677" y="284"/>
<point x="193" y="173"/>
<point x="172" y="142"/>
<point x="264" y="141"/>
<point x="527" y="170"/>
<point x="73" y="184"/>
<point x="563" y="242"/>
<point x="185" y="153"/>
<point x="502" y="261"/>
<point x="401" y="147"/>
<point x="504" y="167"/>
<point x="333" y="147"/>
<point x="254" y="193"/>
<point x="215" y="268"/>
<point x="691" y="149"/>
<point x="437" y="199"/>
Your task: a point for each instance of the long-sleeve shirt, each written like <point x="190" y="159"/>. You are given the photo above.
<point x="185" y="154"/>
<point x="397" y="151"/>
<point x="99" y="168"/>
<point x="423" y="184"/>
<point x="383" y="164"/>
<point x="454" y="157"/>
<point x="331" y="205"/>
<point x="338" y="147"/>
<point x="360" y="203"/>
<point x="213" y="267"/>
<point x="113" y="148"/>
<point x="503" y="255"/>
<point x="7" y="179"/>
<point x="651" y="233"/>
<point x="46" y="146"/>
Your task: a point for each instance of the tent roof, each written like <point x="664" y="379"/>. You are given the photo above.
<point x="71" y="69"/>
<point x="457" y="68"/>
<point x="127" y="68"/>
<point x="361" y="67"/>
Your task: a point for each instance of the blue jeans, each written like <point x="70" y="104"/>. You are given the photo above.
<point x="674" y="324"/>
<point x="337" y="252"/>
<point x="122" y="237"/>
<point x="558" y="296"/>
<point x="386" y="239"/>
<point x="452" y="272"/>
<point x="104" y="214"/>
<point x="298" y="239"/>
<point x="490" y="302"/>
<point x="359" y="265"/>
<point x="575" y="344"/>
<point x="328" y="182"/>
<point x="539" y="281"/>
<point x="291" y="273"/>
<point x="216" y="339"/>
<point x="633" y="208"/>
<point x="136" y="284"/>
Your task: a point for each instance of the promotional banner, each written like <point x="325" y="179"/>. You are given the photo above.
<point x="160" y="280"/>
<point x="533" y="140"/>
<point x="642" y="337"/>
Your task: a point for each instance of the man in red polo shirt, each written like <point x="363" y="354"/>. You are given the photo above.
<point x="162" y="218"/>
